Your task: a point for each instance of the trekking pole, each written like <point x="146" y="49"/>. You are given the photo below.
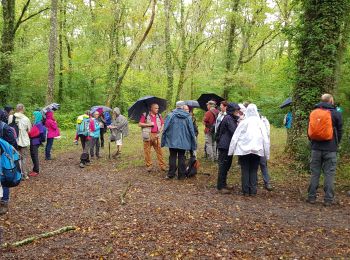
<point x="109" y="150"/>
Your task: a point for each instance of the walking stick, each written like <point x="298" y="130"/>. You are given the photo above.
<point x="109" y="150"/>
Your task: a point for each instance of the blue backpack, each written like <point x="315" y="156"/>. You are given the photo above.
<point x="10" y="168"/>
<point x="43" y="135"/>
<point x="83" y="127"/>
<point x="107" y="118"/>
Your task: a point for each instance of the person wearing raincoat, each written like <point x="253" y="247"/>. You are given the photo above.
<point x="250" y="142"/>
<point x="119" y="129"/>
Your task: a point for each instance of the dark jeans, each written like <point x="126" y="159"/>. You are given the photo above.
<point x="5" y="194"/>
<point x="85" y="143"/>
<point x="102" y="137"/>
<point x="95" y="147"/>
<point x="34" y="154"/>
<point x="225" y="163"/>
<point x="249" y="167"/>
<point x="264" y="170"/>
<point x="49" y="143"/>
<point x="326" y="161"/>
<point x="177" y="154"/>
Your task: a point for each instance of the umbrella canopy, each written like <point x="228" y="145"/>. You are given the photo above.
<point x="53" y="107"/>
<point x="104" y="108"/>
<point x="204" y="98"/>
<point x="143" y="104"/>
<point x="192" y="103"/>
<point x="286" y="103"/>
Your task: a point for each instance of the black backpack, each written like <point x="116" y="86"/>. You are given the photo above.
<point x="192" y="167"/>
<point x="14" y="125"/>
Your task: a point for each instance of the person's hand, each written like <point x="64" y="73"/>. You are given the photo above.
<point x="109" y="127"/>
<point x="151" y="124"/>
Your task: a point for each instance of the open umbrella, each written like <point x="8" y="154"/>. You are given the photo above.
<point x="192" y="103"/>
<point x="286" y="103"/>
<point x="143" y="104"/>
<point x="204" y="98"/>
<point x="104" y="108"/>
<point x="53" y="107"/>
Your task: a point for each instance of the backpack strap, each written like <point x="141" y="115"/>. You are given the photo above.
<point x="2" y="124"/>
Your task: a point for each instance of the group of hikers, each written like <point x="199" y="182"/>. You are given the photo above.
<point x="230" y="129"/>
<point x="26" y="137"/>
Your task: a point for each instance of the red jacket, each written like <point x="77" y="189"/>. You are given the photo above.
<point x="210" y="119"/>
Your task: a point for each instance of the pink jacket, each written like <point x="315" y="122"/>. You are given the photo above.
<point x="51" y="125"/>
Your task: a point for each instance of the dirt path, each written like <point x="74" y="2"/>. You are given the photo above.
<point x="165" y="219"/>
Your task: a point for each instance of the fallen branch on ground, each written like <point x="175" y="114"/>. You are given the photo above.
<point x="43" y="235"/>
<point x="122" y="196"/>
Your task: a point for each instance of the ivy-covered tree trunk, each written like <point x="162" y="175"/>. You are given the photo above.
<point x="318" y="44"/>
<point x="7" y="46"/>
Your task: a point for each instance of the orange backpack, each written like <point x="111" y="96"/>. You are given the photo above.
<point x="320" y="125"/>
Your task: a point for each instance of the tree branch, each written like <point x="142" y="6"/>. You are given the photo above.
<point x="25" y="8"/>
<point x="264" y="42"/>
<point x="120" y="79"/>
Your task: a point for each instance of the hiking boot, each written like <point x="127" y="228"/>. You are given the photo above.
<point x="87" y="163"/>
<point x="33" y="174"/>
<point x="81" y="165"/>
<point x="4" y="207"/>
<point x="169" y="177"/>
<point x="224" y="191"/>
<point x="268" y="187"/>
<point x="311" y="200"/>
<point x="149" y="169"/>
<point x="24" y="177"/>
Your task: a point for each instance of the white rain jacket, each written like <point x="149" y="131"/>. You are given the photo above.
<point x="24" y="127"/>
<point x="251" y="135"/>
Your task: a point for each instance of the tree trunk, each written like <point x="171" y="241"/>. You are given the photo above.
<point x="229" y="51"/>
<point x="115" y="44"/>
<point x="69" y="49"/>
<point x="184" y="52"/>
<point x="60" y="43"/>
<point x="6" y="49"/>
<point x="318" y="45"/>
<point x="110" y="100"/>
<point x="52" y="52"/>
<point x="168" y="51"/>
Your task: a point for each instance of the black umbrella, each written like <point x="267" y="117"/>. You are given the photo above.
<point x="286" y="103"/>
<point x="192" y="103"/>
<point x="143" y="105"/>
<point x="205" y="98"/>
